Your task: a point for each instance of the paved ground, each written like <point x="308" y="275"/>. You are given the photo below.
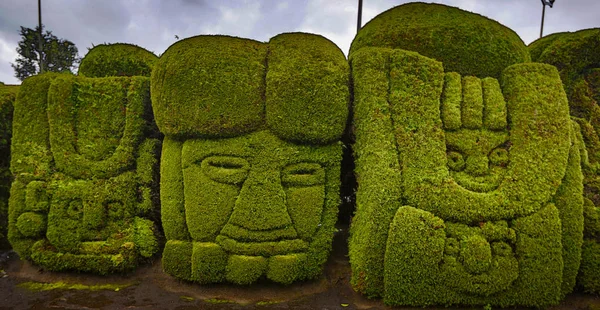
<point x="150" y="288"/>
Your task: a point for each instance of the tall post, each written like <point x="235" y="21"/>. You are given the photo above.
<point x="358" y="22"/>
<point x="41" y="44"/>
<point x="543" y="13"/>
<point x="544" y="3"/>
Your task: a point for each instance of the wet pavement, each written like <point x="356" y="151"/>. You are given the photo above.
<point x="150" y="288"/>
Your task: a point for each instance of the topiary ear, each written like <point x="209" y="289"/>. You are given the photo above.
<point x="307" y="88"/>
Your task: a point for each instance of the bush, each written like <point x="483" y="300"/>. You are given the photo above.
<point x="464" y="42"/>
<point x="118" y="59"/>
<point x="8" y="94"/>
<point x="250" y="169"/>
<point x="456" y="204"/>
<point x="83" y="171"/>
<point x="576" y="55"/>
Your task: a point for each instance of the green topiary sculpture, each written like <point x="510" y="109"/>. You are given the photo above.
<point x="118" y="59"/>
<point x="84" y="167"/>
<point x="250" y="168"/>
<point x="469" y="188"/>
<point x="7" y="98"/>
<point x="464" y="42"/>
<point x="577" y="57"/>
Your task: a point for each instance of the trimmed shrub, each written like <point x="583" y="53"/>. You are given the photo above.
<point x="464" y="42"/>
<point x="576" y="55"/>
<point x="84" y="173"/>
<point x="250" y="170"/>
<point x="118" y="59"/>
<point x="8" y="94"/>
<point x="469" y="190"/>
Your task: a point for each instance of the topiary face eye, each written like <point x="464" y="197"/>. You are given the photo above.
<point x="303" y="174"/>
<point x="226" y="169"/>
<point x="499" y="156"/>
<point x="456" y="161"/>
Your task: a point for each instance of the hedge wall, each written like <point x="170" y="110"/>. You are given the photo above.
<point x="252" y="147"/>
<point x="8" y="94"/>
<point x="117" y="59"/>
<point x="464" y="42"/>
<point x="83" y="170"/>
<point x="469" y="190"/>
<point x="577" y="57"/>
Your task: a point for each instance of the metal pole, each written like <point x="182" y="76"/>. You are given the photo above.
<point x="359" y="23"/>
<point x="41" y="54"/>
<point x="543" y="13"/>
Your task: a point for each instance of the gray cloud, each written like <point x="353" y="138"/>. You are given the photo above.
<point x="153" y="24"/>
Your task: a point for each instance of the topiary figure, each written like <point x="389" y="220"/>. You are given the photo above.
<point x="118" y="59"/>
<point x="469" y="188"/>
<point x="7" y="98"/>
<point x="577" y="57"/>
<point x="464" y="42"/>
<point x="250" y="168"/>
<point x="84" y="166"/>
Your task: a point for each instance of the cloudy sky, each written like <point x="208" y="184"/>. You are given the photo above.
<point x="154" y="24"/>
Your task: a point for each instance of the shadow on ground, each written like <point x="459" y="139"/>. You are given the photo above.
<point x="150" y="288"/>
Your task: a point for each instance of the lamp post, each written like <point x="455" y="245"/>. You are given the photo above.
<point x="358" y="22"/>
<point x="544" y="3"/>
<point x="41" y="43"/>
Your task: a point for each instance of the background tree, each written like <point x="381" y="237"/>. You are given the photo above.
<point x="58" y="55"/>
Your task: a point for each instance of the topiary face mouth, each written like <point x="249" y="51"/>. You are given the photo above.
<point x="481" y="184"/>
<point x="238" y="240"/>
<point x="266" y="249"/>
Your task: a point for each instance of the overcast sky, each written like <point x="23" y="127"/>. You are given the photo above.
<point x="154" y="24"/>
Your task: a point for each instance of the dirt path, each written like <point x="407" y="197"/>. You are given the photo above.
<point x="150" y="288"/>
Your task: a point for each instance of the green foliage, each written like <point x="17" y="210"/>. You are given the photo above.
<point x="486" y="218"/>
<point x="57" y="55"/>
<point x="589" y="277"/>
<point x="576" y="56"/>
<point x="85" y="175"/>
<point x="248" y="194"/>
<point x="177" y="259"/>
<point x="465" y="42"/>
<point x="117" y="59"/>
<point x="8" y="94"/>
<point x="246" y="207"/>
<point x="243" y="269"/>
<point x="307" y="88"/>
<point x="210" y="86"/>
<point x="302" y="97"/>
<point x="40" y="286"/>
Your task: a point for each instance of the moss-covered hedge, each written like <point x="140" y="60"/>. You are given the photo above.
<point x="469" y="190"/>
<point x="84" y="172"/>
<point x="464" y="42"/>
<point x="574" y="54"/>
<point x="250" y="168"/>
<point x="231" y="92"/>
<point x="118" y="59"/>
<point x="8" y="93"/>
<point x="577" y="57"/>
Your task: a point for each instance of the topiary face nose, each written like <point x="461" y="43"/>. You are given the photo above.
<point x="477" y="165"/>
<point x="261" y="203"/>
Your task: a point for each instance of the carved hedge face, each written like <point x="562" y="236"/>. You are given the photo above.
<point x="477" y="159"/>
<point x="92" y="206"/>
<point x="482" y="166"/>
<point x="254" y="195"/>
<point x="253" y="206"/>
